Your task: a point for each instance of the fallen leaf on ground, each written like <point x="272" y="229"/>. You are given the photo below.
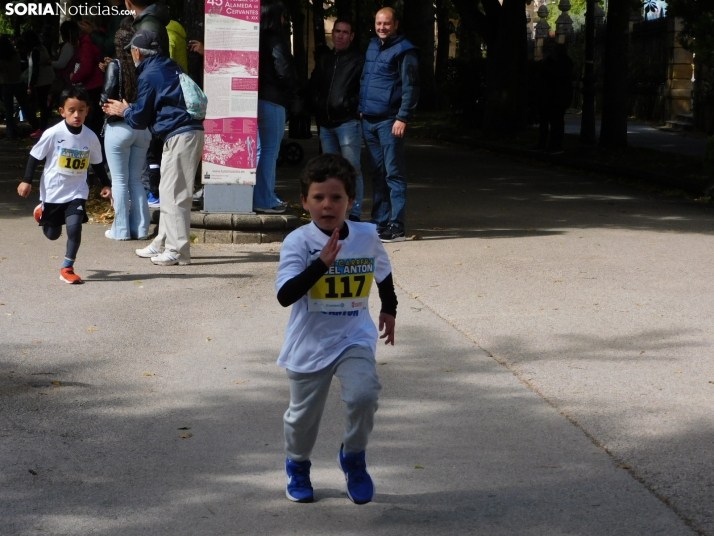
<point x="418" y="467"/>
<point x="239" y="382"/>
<point x="137" y="282"/>
<point x="384" y="363"/>
<point x="208" y="339"/>
<point x="185" y="436"/>
<point x="416" y="237"/>
<point x="54" y="257"/>
<point x="92" y="328"/>
<point x="457" y="264"/>
<point x="184" y="428"/>
<point x="447" y="370"/>
<point x="56" y="383"/>
<point x="37" y="342"/>
<point x="148" y="374"/>
<point x="677" y="371"/>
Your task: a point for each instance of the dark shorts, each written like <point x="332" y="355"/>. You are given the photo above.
<point x="54" y="214"/>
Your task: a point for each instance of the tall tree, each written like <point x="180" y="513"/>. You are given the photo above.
<point x="297" y="18"/>
<point x="418" y="25"/>
<point x="613" y="131"/>
<point x="502" y="28"/>
<point x="443" y="32"/>
<point x="318" y="23"/>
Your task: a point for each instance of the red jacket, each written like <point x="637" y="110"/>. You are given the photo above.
<point x="89" y="72"/>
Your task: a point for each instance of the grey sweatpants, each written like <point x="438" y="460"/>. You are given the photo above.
<point x="180" y="159"/>
<point x="357" y="372"/>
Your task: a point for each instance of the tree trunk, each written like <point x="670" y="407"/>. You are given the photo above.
<point x="297" y="18"/>
<point x="318" y="23"/>
<point x="613" y="132"/>
<point x="505" y="83"/>
<point x="444" y="36"/>
<point x="418" y="25"/>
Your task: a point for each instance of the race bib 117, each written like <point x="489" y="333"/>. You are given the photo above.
<point x="345" y="287"/>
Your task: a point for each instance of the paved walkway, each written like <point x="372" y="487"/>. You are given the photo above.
<point x="641" y="134"/>
<point x="552" y="373"/>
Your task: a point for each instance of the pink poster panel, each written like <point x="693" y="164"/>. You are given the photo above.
<point x="231" y="84"/>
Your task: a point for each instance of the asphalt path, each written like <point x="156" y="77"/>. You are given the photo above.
<point x="552" y="372"/>
<point x="642" y="134"/>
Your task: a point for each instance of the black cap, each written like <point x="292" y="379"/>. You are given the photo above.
<point x="145" y="39"/>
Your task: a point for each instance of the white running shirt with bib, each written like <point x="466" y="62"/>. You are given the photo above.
<point x="334" y="314"/>
<point x="67" y="158"/>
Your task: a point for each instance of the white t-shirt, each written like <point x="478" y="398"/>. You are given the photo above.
<point x="314" y="337"/>
<point x="67" y="158"/>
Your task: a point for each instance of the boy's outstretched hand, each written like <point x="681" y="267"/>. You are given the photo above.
<point x="386" y="323"/>
<point x="24" y="189"/>
<point x="331" y="249"/>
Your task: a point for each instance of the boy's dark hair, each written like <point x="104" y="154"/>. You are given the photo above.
<point x="329" y="166"/>
<point x="77" y="91"/>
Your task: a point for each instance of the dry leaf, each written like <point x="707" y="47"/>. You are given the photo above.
<point x="137" y="282"/>
<point x="416" y="237"/>
<point x="185" y="436"/>
<point x="54" y="257"/>
<point x="414" y="296"/>
<point x="56" y="383"/>
<point x="642" y="352"/>
<point x="447" y="370"/>
<point x="92" y="328"/>
<point x="184" y="428"/>
<point x="457" y="263"/>
<point x="208" y="339"/>
<point x="418" y="467"/>
<point x="677" y="371"/>
<point x="557" y="280"/>
<point x="36" y="342"/>
<point x="148" y="374"/>
<point x="638" y="304"/>
<point x="383" y="363"/>
<point x="239" y="382"/>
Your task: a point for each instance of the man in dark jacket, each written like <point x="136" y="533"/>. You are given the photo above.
<point x="388" y="98"/>
<point x="161" y="106"/>
<point x="334" y="91"/>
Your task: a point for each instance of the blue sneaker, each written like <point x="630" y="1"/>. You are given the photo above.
<point x="154" y="202"/>
<point x="360" y="487"/>
<point x="299" y="488"/>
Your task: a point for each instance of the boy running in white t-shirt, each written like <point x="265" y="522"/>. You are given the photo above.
<point x="326" y="272"/>
<point x="68" y="149"/>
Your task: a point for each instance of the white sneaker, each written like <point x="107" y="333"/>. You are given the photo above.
<point x="147" y="252"/>
<point x="167" y="259"/>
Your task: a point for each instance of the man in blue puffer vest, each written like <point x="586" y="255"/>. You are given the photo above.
<point x="388" y="97"/>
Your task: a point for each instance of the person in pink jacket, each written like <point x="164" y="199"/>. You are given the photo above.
<point x="89" y="74"/>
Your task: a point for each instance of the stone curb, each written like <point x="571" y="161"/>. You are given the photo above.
<point x="237" y="228"/>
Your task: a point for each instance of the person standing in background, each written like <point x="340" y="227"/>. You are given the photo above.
<point x="334" y="92"/>
<point x="388" y="98"/>
<point x="277" y="83"/>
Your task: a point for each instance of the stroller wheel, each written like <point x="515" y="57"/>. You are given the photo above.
<point x="293" y="153"/>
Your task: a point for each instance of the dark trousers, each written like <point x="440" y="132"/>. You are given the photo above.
<point x="151" y="177"/>
<point x="19" y="92"/>
<point x="551" y="127"/>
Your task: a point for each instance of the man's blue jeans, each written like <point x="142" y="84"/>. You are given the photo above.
<point x="346" y="140"/>
<point x="385" y="154"/>
<point x="271" y="128"/>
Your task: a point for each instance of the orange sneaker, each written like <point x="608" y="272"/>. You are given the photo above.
<point x="68" y="276"/>
<point x="38" y="213"/>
